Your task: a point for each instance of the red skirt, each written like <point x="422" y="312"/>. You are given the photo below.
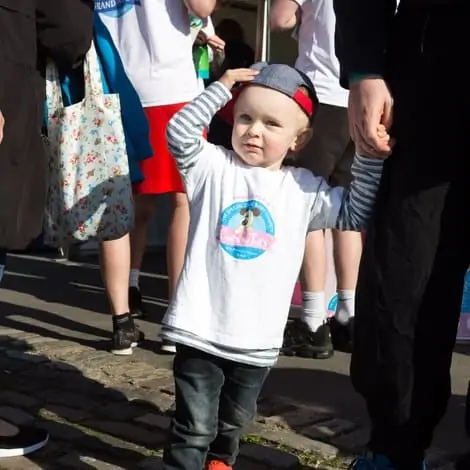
<point x="160" y="172"/>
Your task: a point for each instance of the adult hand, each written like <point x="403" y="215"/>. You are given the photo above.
<point x="370" y="105"/>
<point x="2" y="123"/>
<point x="217" y="44"/>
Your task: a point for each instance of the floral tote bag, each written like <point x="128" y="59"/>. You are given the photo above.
<point x="90" y="193"/>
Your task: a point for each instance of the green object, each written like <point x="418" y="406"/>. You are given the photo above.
<point x="201" y="61"/>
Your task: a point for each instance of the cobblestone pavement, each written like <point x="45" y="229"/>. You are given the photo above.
<point x="108" y="413"/>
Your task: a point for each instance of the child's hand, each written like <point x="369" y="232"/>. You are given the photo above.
<point x="383" y="136"/>
<point x="231" y="77"/>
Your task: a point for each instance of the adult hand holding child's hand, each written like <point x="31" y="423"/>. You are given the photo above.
<point x="383" y="138"/>
<point x="231" y="77"/>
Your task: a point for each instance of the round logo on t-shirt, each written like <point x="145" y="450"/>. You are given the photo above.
<point x="247" y="230"/>
<point x="115" y="8"/>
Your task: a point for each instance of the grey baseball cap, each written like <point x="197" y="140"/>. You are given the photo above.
<point x="289" y="81"/>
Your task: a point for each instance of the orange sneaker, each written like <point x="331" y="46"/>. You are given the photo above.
<point x="217" y="465"/>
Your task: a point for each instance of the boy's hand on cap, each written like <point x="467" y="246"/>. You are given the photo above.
<point x="231" y="77"/>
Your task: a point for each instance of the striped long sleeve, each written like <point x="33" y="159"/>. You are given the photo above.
<point x="185" y="130"/>
<point x="348" y="209"/>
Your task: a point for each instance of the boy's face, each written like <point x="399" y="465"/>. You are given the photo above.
<point x="267" y="125"/>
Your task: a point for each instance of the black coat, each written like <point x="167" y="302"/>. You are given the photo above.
<point x="31" y="31"/>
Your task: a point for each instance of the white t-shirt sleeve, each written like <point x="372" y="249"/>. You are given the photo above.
<point x="195" y="156"/>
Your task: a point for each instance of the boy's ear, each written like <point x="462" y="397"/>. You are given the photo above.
<point x="301" y="140"/>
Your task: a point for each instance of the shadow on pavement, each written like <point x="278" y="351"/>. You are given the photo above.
<point x="72" y="408"/>
<point x="81" y="286"/>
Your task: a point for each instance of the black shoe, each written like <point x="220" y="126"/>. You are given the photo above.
<point x="124" y="341"/>
<point x="26" y="441"/>
<point x="300" y="341"/>
<point x="136" y="305"/>
<point x="341" y="335"/>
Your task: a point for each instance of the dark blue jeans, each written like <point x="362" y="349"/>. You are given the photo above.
<point x="215" y="399"/>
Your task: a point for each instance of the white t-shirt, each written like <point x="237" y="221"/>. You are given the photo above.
<point x="154" y="42"/>
<point x="247" y="236"/>
<point x="316" y="45"/>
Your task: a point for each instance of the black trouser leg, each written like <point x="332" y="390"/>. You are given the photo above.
<point x="417" y="248"/>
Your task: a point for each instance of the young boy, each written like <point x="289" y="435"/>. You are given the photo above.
<point x="249" y="217"/>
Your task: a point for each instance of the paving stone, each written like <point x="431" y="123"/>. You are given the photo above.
<point x="104" y="444"/>
<point x="296" y="441"/>
<point x="155" y="421"/>
<point x="161" y="401"/>
<point x="329" y="429"/>
<point x="70" y="414"/>
<point x="244" y="464"/>
<point x="273" y="458"/>
<point x="271" y="406"/>
<point x="20" y="463"/>
<point x="121" y="411"/>
<point x="74" y="400"/>
<point x="354" y="441"/>
<point x="7" y="364"/>
<point x="9" y="397"/>
<point x="43" y="374"/>
<point x="61" y="366"/>
<point x="79" y="462"/>
<point x="128" y="431"/>
<point x="60" y="431"/>
<point x="151" y="463"/>
<point x="15" y="416"/>
<point x="298" y="418"/>
<point x="22" y="356"/>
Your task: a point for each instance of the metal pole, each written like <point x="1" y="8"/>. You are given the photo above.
<point x="263" y="35"/>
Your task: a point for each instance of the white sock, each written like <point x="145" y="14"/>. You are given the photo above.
<point x="313" y="309"/>
<point x="134" y="278"/>
<point x="345" y="308"/>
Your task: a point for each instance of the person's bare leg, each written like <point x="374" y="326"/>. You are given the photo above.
<point x="115" y="265"/>
<point x="177" y="239"/>
<point x="144" y="206"/>
<point x="313" y="280"/>
<point x="347" y="250"/>
<point x="115" y="262"/>
<point x="175" y="250"/>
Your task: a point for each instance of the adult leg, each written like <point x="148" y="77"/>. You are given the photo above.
<point x="311" y="337"/>
<point x="177" y="240"/>
<point x="237" y="408"/>
<point x="144" y="206"/>
<point x="16" y="441"/>
<point x="347" y="251"/>
<point x="198" y="381"/>
<point x="416" y="251"/>
<point x="115" y="265"/>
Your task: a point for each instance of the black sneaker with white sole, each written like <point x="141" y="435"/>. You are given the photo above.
<point x="24" y="442"/>
<point x="136" y="306"/>
<point x="341" y="335"/>
<point x="124" y="341"/>
<point x="167" y="347"/>
<point x="300" y="341"/>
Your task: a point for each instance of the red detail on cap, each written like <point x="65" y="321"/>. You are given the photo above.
<point x="227" y="112"/>
<point x="304" y="102"/>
